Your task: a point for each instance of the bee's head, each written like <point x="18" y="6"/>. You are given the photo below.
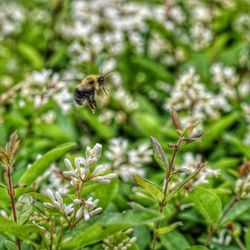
<point x="101" y="80"/>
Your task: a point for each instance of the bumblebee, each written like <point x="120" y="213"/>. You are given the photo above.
<point x="88" y="88"/>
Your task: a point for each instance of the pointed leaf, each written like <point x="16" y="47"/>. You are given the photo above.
<point x="42" y="164"/>
<point x="207" y="203"/>
<point x="196" y="248"/>
<point x="29" y="233"/>
<point x="10" y="245"/>
<point x="168" y="229"/>
<point x="150" y="187"/>
<point x="175" y="119"/>
<point x="215" y="130"/>
<point x="159" y="154"/>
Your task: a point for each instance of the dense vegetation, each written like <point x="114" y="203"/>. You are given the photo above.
<point x="163" y="162"/>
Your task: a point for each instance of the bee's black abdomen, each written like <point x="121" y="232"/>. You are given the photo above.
<point x="80" y="95"/>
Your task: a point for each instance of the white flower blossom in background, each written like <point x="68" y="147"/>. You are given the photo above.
<point x="52" y="179"/>
<point x="201" y="36"/>
<point x="12" y="16"/>
<point x="127" y="162"/>
<point x="119" y="241"/>
<point x="42" y="86"/>
<point x="242" y="187"/>
<point x="242" y="25"/>
<point x="125" y="100"/>
<point x="227" y="78"/>
<point x="224" y="238"/>
<point x="190" y="94"/>
<point x="189" y="166"/>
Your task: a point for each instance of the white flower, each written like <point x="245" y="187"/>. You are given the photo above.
<point x="85" y="169"/>
<point x="125" y="162"/>
<point x="58" y="203"/>
<point x="88" y="209"/>
<point x="190" y="165"/>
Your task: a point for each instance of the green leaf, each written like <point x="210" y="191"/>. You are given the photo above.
<point x="147" y="124"/>
<point x="91" y="235"/>
<point x="217" y="128"/>
<point x="159" y="154"/>
<point x="196" y="248"/>
<point x="5" y="199"/>
<point x="247" y="238"/>
<point x="31" y="54"/>
<point x="243" y="148"/>
<point x="52" y="131"/>
<point x="10" y="245"/>
<point x="109" y="224"/>
<point x="168" y="229"/>
<point x="24" y="209"/>
<point x="150" y="187"/>
<point x="207" y="203"/>
<point x="105" y="193"/>
<point x="42" y="164"/>
<point x="155" y="68"/>
<point x="29" y="233"/>
<point x="103" y="131"/>
<point x="238" y="209"/>
<point x="174" y="240"/>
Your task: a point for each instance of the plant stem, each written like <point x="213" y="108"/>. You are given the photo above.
<point x="52" y="228"/>
<point x="213" y="228"/>
<point x="240" y="244"/>
<point x="11" y="192"/>
<point x="163" y="203"/>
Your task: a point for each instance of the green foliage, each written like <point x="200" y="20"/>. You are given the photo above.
<point x="192" y="56"/>
<point x="207" y="203"/>
<point x="168" y="229"/>
<point x="150" y="187"/>
<point x="40" y="165"/>
<point x="30" y="233"/>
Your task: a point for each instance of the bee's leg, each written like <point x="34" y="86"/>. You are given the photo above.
<point x="92" y="102"/>
<point x="105" y="90"/>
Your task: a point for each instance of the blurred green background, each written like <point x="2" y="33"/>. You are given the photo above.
<point x="191" y="54"/>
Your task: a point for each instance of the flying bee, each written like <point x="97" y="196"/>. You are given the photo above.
<point x="89" y="86"/>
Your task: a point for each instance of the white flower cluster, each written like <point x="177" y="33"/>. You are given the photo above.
<point x="125" y="100"/>
<point x="242" y="25"/>
<point x="119" y="241"/>
<point x="201" y="33"/>
<point x="11" y="17"/>
<point x="189" y="165"/>
<point x="242" y="187"/>
<point x="227" y="78"/>
<point x="58" y="203"/>
<point x="85" y="169"/>
<point x="86" y="210"/>
<point x="102" y="24"/>
<point x="224" y="237"/>
<point x="40" y="87"/>
<point x="190" y="94"/>
<point x="127" y="162"/>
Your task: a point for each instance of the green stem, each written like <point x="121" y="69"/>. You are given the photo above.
<point x="163" y="203"/>
<point x="11" y="192"/>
